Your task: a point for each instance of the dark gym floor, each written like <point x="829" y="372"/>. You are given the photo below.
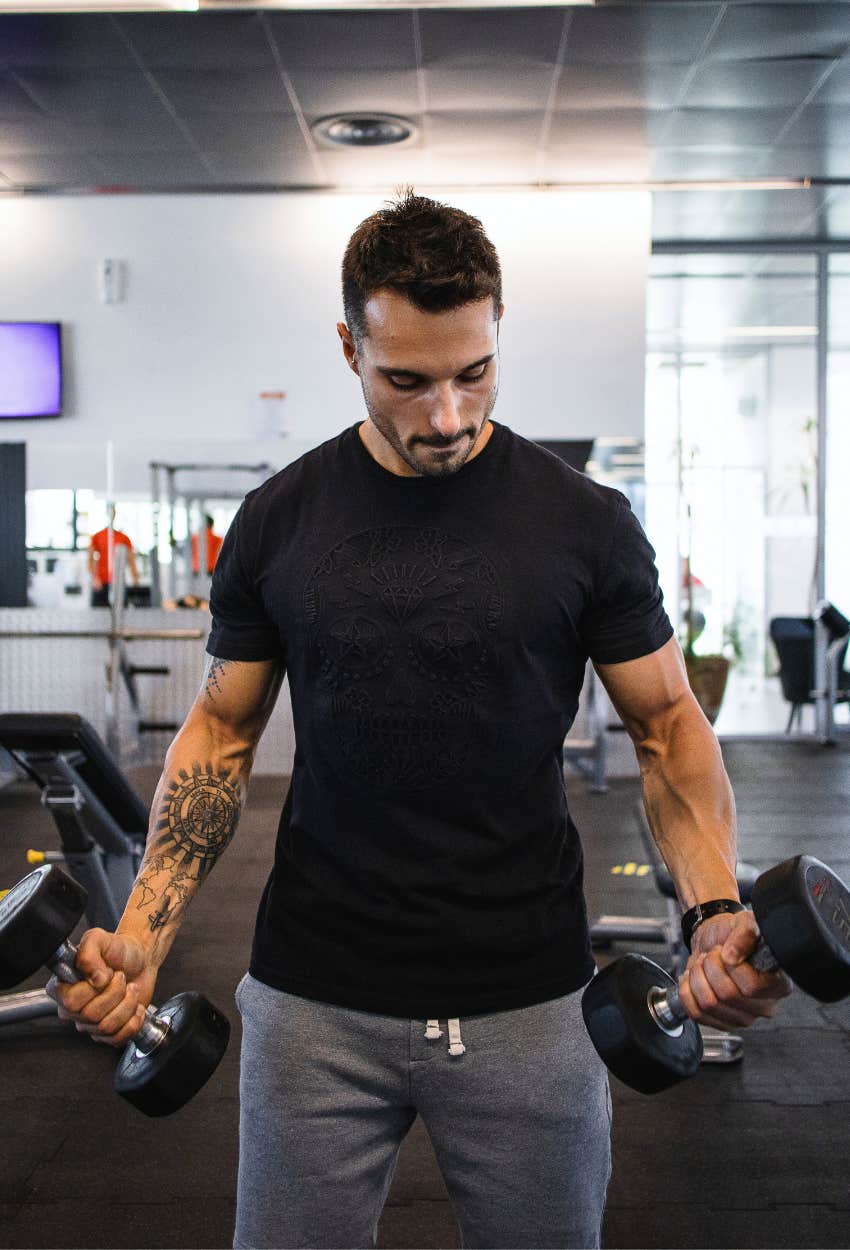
<point x="754" y="1154"/>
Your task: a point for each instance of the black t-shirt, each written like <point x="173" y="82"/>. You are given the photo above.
<point x="435" y="632"/>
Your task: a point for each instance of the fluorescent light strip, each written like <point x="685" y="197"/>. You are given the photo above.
<point x="770" y="332"/>
<point x="394" y="4"/>
<point x="701" y="334"/>
<point x="467" y="188"/>
<point x="139" y="6"/>
<point x="98" y="6"/>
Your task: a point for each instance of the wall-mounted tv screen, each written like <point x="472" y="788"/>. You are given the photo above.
<point x="30" y="369"/>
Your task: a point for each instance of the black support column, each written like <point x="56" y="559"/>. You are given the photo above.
<point x="13" y="525"/>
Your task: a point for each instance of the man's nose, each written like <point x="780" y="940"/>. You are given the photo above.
<point x="445" y="418"/>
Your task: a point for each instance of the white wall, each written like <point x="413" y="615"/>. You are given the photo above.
<point x="230" y="295"/>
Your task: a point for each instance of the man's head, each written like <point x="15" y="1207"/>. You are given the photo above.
<point x="422" y="295"/>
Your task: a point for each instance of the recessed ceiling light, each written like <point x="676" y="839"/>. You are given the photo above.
<point x="364" y="130"/>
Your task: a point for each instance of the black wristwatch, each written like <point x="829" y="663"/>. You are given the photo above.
<point x="704" y="911"/>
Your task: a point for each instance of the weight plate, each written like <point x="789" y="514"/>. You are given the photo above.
<point x="625" y="1033"/>
<point x="36" y="917"/>
<point x="161" y="1081"/>
<point x="803" y="912"/>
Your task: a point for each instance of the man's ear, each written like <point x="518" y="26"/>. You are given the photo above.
<point x="349" y="348"/>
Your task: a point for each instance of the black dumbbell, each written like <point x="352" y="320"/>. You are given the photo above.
<point x="179" y="1045"/>
<point x="632" y="1008"/>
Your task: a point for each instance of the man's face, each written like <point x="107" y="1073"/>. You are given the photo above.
<point x="430" y="382"/>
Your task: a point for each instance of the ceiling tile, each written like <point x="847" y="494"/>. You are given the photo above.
<point x="289" y="167"/>
<point x="654" y="32"/>
<point x="706" y="163"/>
<point x="224" y="90"/>
<point x="750" y="31"/>
<point x="491" y="86"/>
<point x="617" y="128"/>
<point x="595" y="165"/>
<point x="511" y="167"/>
<point x="472" y="132"/>
<point x="373" y="167"/>
<point x="215" y="132"/>
<point x="36" y="136"/>
<point x="463" y="36"/>
<point x="393" y="91"/>
<point x="128" y="134"/>
<point x="719" y="127"/>
<point x="108" y="93"/>
<point x="836" y="89"/>
<point x="63" y="40"/>
<point x="14" y="101"/>
<point x="346" y="41"/>
<point x="152" y="169"/>
<point x="619" y="86"/>
<point x="69" y="170"/>
<point x="198" y="40"/>
<point x="822" y="124"/>
<point x="752" y="84"/>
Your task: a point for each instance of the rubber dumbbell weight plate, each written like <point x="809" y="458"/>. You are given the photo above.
<point x="803" y="912"/>
<point x="162" y="1080"/>
<point x="36" y="917"/>
<point x="625" y="1033"/>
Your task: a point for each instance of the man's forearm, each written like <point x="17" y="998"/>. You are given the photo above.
<point x="691" y="808"/>
<point x="194" y="815"/>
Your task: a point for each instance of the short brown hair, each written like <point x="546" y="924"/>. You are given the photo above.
<point x="436" y="256"/>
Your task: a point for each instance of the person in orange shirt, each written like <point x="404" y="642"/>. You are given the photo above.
<point x="101" y="562"/>
<point x="213" y="547"/>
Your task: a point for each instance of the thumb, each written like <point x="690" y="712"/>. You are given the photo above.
<point x="741" y="939"/>
<point x="732" y="955"/>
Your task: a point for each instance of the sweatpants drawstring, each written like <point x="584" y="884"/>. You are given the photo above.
<point x="456" y="1046"/>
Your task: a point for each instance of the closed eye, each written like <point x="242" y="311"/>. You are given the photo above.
<point x="464" y="377"/>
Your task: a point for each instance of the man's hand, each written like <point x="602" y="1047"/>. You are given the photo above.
<point x="109" y="1004"/>
<point x="719" y="988"/>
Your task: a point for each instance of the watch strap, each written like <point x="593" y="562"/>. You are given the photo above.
<point x="704" y="911"/>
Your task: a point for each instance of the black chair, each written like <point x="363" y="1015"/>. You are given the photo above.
<point x="794" y="640"/>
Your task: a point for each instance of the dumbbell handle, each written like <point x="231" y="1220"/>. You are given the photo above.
<point x="666" y="1004"/>
<point x="62" y="963"/>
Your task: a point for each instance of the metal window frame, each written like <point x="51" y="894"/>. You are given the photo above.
<point x="821" y="249"/>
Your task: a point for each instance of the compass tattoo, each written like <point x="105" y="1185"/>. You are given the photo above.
<point x="198" y="815"/>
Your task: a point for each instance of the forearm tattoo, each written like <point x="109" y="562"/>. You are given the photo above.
<point x="198" y="815"/>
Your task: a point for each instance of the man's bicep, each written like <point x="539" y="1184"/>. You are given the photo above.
<point x="240" y="693"/>
<point x="648" y="690"/>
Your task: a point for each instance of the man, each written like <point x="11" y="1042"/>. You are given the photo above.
<point x="214" y="542"/>
<point x="102" y="558"/>
<point x="433" y="585"/>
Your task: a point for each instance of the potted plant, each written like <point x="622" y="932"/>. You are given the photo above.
<point x="707" y="674"/>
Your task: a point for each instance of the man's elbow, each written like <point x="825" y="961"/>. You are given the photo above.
<point x="679" y="731"/>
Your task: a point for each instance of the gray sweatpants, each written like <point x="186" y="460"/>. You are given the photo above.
<point x="516" y="1104"/>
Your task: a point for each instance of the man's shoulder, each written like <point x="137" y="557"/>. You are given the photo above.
<point x="550" y="473"/>
<point x="301" y="472"/>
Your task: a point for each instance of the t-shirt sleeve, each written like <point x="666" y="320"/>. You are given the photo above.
<point x="241" y="627"/>
<point x="626" y="618"/>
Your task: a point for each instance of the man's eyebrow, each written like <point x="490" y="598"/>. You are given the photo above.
<point x="388" y="370"/>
